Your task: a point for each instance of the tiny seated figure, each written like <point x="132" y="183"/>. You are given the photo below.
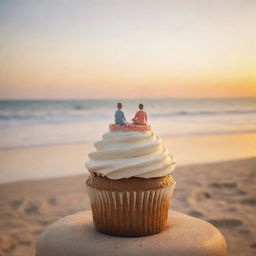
<point x="141" y="116"/>
<point x="119" y="115"/>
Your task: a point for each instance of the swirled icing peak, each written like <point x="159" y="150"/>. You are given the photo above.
<point x="125" y="154"/>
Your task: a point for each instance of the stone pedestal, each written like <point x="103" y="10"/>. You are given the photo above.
<point x="75" y="235"/>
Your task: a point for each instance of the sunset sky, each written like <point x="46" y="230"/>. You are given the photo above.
<point x="109" y="49"/>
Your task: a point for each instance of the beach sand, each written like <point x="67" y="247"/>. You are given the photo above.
<point x="223" y="193"/>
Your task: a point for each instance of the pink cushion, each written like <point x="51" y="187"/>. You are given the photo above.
<point x="129" y="127"/>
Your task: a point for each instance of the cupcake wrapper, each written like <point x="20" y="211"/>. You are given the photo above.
<point x="130" y="213"/>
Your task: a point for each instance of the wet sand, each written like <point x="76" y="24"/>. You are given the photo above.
<point x="223" y="193"/>
<point x="67" y="160"/>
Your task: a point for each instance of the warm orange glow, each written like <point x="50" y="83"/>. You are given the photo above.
<point x="148" y="55"/>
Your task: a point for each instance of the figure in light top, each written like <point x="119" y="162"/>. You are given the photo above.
<point x="141" y="116"/>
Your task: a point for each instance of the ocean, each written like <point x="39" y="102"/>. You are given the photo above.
<point x="32" y="123"/>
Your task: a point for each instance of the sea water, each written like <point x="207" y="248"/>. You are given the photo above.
<point x="32" y="123"/>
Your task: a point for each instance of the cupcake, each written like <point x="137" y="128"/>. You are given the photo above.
<point x="130" y="185"/>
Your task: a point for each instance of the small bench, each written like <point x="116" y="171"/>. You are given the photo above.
<point x="129" y="127"/>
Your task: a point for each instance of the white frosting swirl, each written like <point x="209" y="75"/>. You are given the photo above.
<point x="130" y="154"/>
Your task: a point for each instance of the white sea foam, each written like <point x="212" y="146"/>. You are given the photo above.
<point x="35" y="123"/>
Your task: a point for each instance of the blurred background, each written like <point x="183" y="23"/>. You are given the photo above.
<point x="194" y="130"/>
<point x="65" y="64"/>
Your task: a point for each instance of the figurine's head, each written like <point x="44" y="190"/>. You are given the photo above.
<point x="141" y="106"/>
<point x="119" y="105"/>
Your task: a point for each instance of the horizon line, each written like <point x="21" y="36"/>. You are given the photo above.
<point x="128" y="98"/>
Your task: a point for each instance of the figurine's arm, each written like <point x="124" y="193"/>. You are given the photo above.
<point x="146" y="117"/>
<point x="124" y="117"/>
<point x="135" y="117"/>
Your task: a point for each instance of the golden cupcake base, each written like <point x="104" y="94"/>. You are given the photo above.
<point x="130" y="207"/>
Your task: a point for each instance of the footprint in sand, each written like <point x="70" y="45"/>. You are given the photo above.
<point x="223" y="185"/>
<point x="203" y="194"/>
<point x="249" y="201"/>
<point x="232" y="209"/>
<point x="253" y="245"/>
<point x="31" y="209"/>
<point x="52" y="201"/>
<point x="245" y="231"/>
<point x="45" y="222"/>
<point x="7" y="244"/>
<point x="241" y="192"/>
<point x="229" y="184"/>
<point x="25" y="242"/>
<point x="215" y="185"/>
<point x="16" y="204"/>
<point x="195" y="214"/>
<point x="226" y="223"/>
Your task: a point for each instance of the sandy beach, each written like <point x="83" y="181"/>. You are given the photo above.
<point x="222" y="193"/>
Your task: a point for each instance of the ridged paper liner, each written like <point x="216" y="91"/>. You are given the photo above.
<point x="134" y="213"/>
